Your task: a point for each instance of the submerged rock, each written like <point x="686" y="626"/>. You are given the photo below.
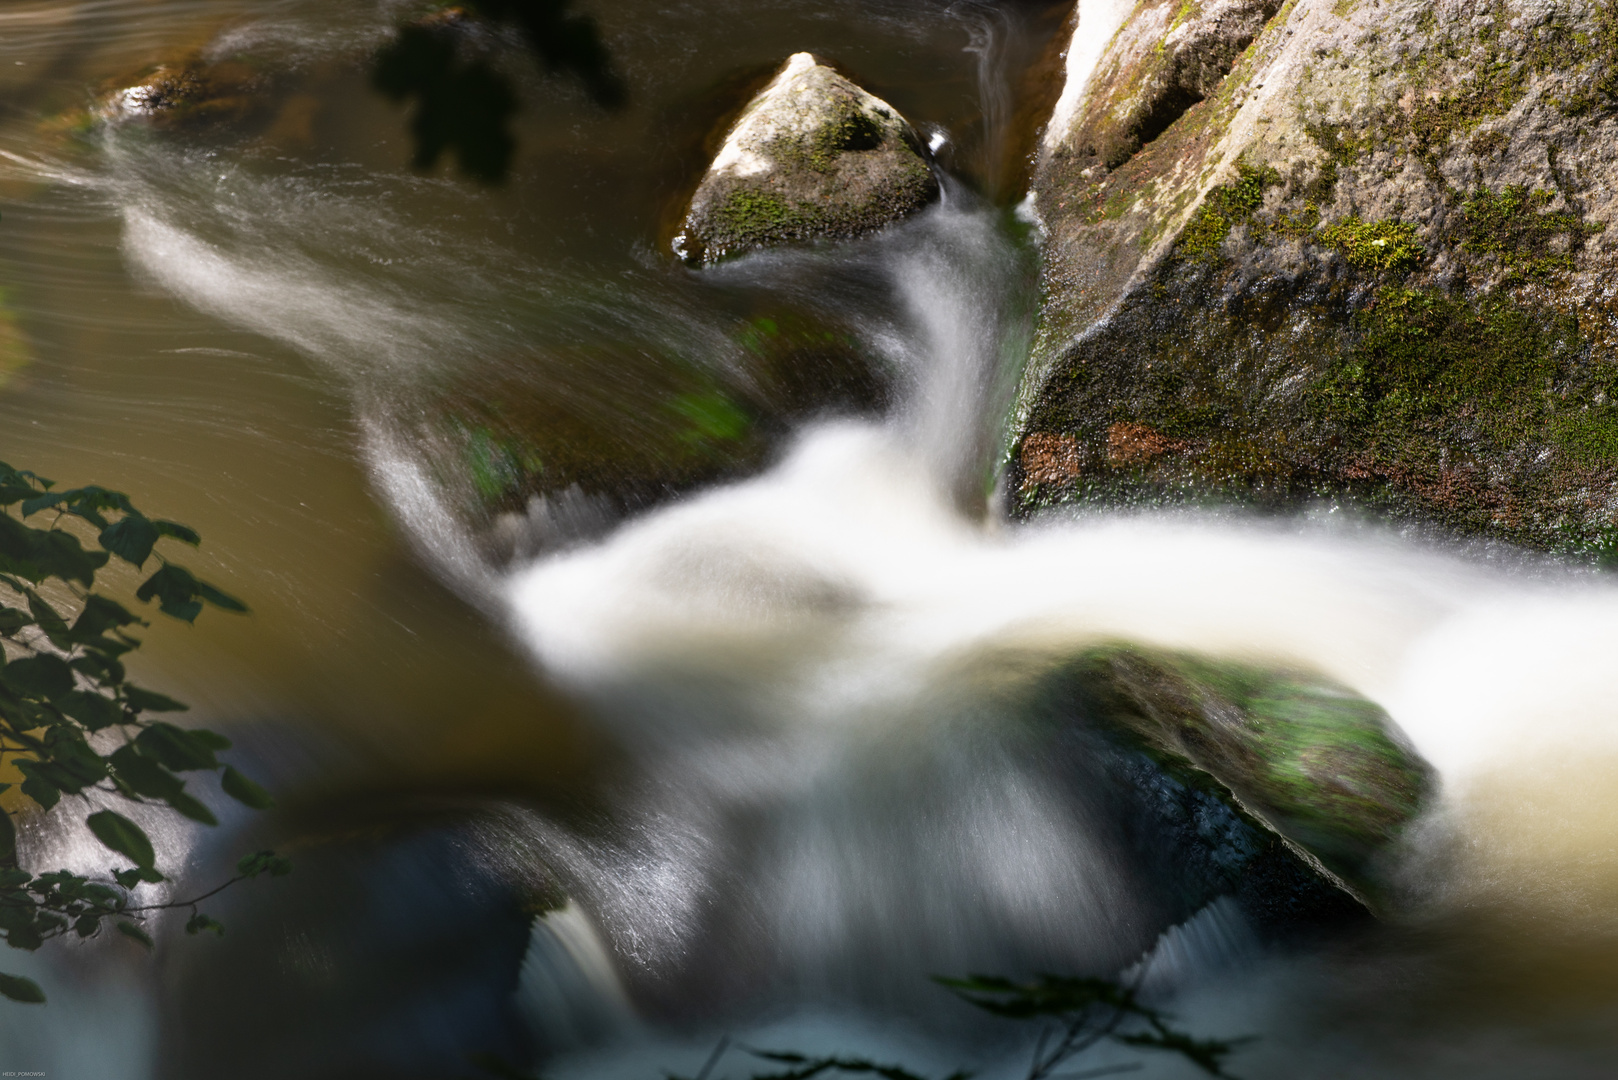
<point x="544" y="454"/>
<point x="1303" y="759"/>
<point x="194" y="92"/>
<point x="812" y="156"/>
<point x="1348" y="249"/>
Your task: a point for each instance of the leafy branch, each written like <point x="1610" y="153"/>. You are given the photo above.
<point x="1076" y="1013"/>
<point x="1079" y="1013"/>
<point x="71" y="722"/>
<point x="463" y="102"/>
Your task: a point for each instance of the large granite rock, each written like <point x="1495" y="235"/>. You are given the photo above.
<point x="1334" y="248"/>
<point x="811" y="156"/>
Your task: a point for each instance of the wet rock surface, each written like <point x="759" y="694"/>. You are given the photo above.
<point x="537" y="470"/>
<point x="812" y="156"/>
<point x="1286" y="753"/>
<point x="194" y="92"/>
<point x="1336" y="250"/>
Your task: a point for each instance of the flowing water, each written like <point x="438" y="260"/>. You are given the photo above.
<point x="767" y="753"/>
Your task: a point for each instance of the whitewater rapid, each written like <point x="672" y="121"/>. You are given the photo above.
<point x="845" y="578"/>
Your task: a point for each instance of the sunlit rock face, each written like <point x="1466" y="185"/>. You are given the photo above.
<point x="811" y="156"/>
<point x="1348" y="248"/>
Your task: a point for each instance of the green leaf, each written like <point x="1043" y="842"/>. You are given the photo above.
<point x="220" y="599"/>
<point x="20" y="989"/>
<point x="148" y="701"/>
<point x="211" y="739"/>
<point x="127" y="878"/>
<point x="40" y="676"/>
<point x="264" y="862"/>
<point x="18" y="544"/>
<point x="86" y="925"/>
<point x="150" y="875"/>
<point x="87" y="502"/>
<point x="175" y="590"/>
<point x="59" y="554"/>
<point x="100" y="667"/>
<point x="92" y="710"/>
<point x="183" y="533"/>
<point x="244" y="791"/>
<point x="24" y="937"/>
<point x="49" y="620"/>
<point x="38" y="788"/>
<point x="192" y="808"/>
<point x="123" y="836"/>
<point x="35" y="504"/>
<point x="23" y="715"/>
<point x="131" y="538"/>
<point x="71" y="764"/>
<point x="17" y="915"/>
<point x="8" y="838"/>
<point x="177" y="748"/>
<point x="97" y="617"/>
<point x="129" y="929"/>
<point x="143" y="775"/>
<point x="197" y="923"/>
<point x="12" y="620"/>
<point x="180" y="594"/>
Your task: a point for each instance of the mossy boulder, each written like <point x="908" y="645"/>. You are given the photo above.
<point x="1304" y="759"/>
<point x="812" y="156"/>
<point x="541" y="452"/>
<point x="1351" y="250"/>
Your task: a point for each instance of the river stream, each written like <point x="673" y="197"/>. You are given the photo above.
<point x="768" y="751"/>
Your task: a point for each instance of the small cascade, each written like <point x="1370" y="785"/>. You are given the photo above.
<point x="742" y="518"/>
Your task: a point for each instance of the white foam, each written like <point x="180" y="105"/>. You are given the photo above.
<point x="1097" y="23"/>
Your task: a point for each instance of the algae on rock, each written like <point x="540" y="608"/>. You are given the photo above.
<point x="812" y="156"/>
<point x="1313" y="762"/>
<point x="1369" y="261"/>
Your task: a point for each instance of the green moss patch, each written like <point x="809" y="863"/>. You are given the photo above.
<point x="750" y="214"/>
<point x="1224" y="208"/>
<point x="1375" y="245"/>
<point x="1320" y="764"/>
<point x="851" y="130"/>
<point x="710" y="418"/>
<point x="498" y="463"/>
<point x="1425" y="356"/>
<point x="1516" y="229"/>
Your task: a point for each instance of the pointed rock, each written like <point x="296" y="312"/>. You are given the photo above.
<point x="812" y="156"/>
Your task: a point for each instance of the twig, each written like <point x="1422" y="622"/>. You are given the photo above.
<point x="713" y="1058"/>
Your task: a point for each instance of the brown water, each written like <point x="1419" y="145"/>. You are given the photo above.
<point x="773" y="740"/>
<point x="256" y="445"/>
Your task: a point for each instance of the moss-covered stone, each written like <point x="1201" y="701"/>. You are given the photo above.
<point x="1375" y="245"/>
<point x="548" y="454"/>
<point x="1411" y="310"/>
<point x="195" y="92"/>
<point x="1316" y="763"/>
<point x="812" y="156"/>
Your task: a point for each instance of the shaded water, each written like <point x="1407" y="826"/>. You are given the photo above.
<point x="779" y="739"/>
